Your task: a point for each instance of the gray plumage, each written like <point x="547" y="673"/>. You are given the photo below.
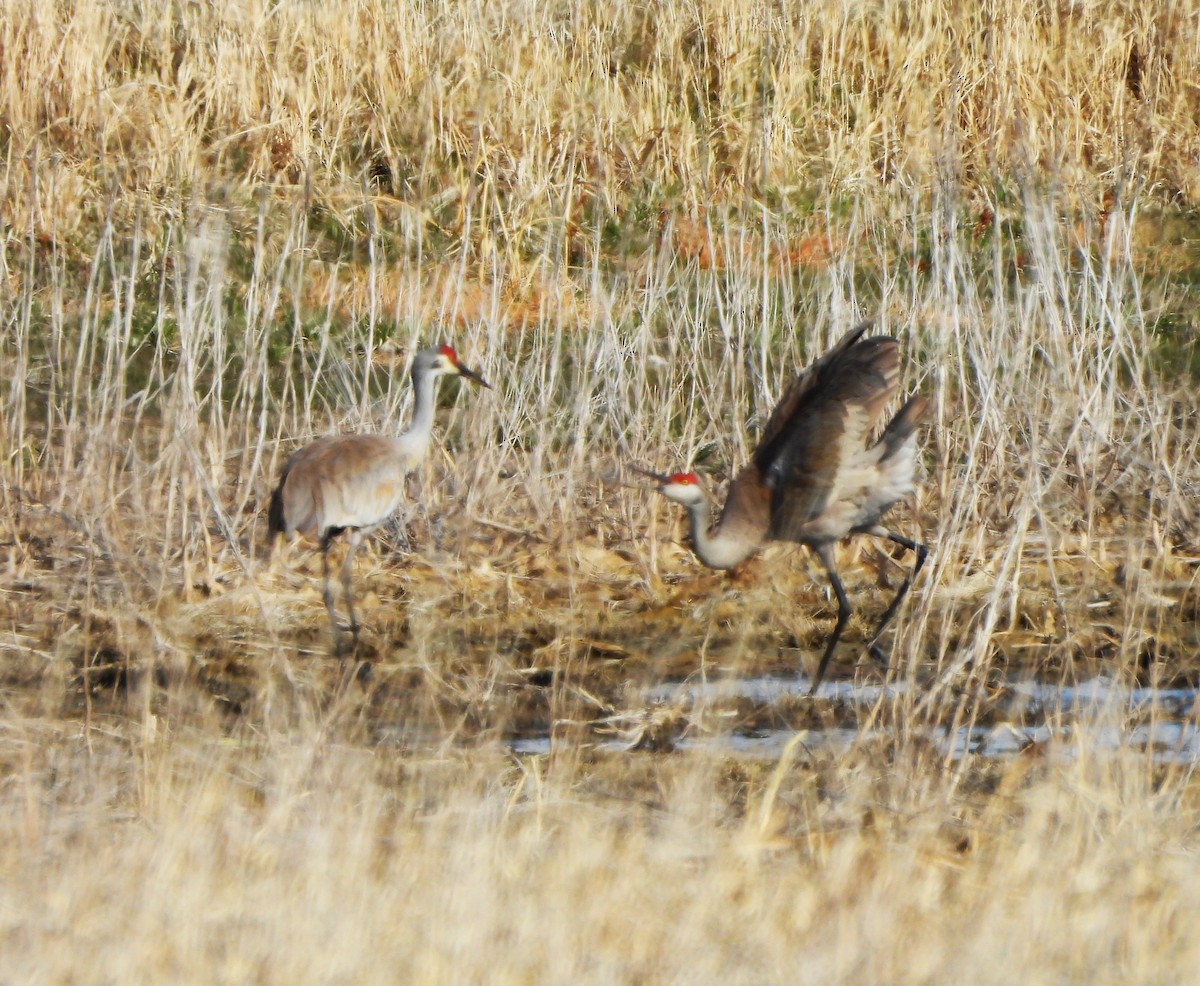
<point x="815" y="477"/>
<point x="354" y="483"/>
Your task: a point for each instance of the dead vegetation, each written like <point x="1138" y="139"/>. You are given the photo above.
<point x="226" y="227"/>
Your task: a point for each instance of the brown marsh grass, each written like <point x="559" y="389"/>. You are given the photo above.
<point x="224" y="230"/>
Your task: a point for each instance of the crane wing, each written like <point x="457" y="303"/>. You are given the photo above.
<point x="748" y="509"/>
<point x="340" y="481"/>
<point x="804" y="382"/>
<point x="817" y="435"/>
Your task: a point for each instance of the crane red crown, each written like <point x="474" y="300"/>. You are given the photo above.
<point x="450" y="354"/>
<point x="683" y="479"/>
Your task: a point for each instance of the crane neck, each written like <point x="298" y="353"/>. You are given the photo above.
<point x="421" y="425"/>
<point x="719" y="549"/>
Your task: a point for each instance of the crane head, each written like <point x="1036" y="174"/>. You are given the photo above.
<point x="445" y="360"/>
<point x="681" y="487"/>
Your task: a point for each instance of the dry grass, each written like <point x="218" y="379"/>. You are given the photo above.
<point x="143" y="857"/>
<point x="225" y="228"/>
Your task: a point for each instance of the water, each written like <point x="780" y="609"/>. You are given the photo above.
<point x="1090" y="695"/>
<point x="1101" y="716"/>
<point x="1102" y="693"/>
<point x="770" y="691"/>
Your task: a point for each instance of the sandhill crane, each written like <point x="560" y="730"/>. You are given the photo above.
<point x="814" y="479"/>
<point x="355" y="482"/>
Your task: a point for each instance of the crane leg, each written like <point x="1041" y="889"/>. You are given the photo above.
<point x="327" y="594"/>
<point x="825" y="553"/>
<point x="355" y="540"/>
<point x="922" y="552"/>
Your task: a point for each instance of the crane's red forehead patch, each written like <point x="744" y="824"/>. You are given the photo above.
<point x="684" y="479"/>
<point x="449" y="353"/>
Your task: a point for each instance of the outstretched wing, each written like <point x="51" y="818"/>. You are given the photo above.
<point x="802" y="385"/>
<point x="816" y="437"/>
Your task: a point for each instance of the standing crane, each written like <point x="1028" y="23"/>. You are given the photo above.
<point x="814" y="478"/>
<point x="355" y="482"/>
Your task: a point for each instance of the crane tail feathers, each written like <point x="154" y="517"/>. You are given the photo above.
<point x="906" y="421"/>
<point x="275" y="523"/>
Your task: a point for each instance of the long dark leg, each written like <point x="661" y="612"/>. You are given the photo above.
<point x="327" y="592"/>
<point x="825" y="553"/>
<point x="355" y="539"/>
<point x="922" y="553"/>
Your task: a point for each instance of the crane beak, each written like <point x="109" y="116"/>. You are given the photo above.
<point x="659" y="478"/>
<point x="466" y="371"/>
